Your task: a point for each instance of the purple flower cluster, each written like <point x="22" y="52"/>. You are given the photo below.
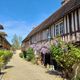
<point x="36" y="47"/>
<point x="44" y="50"/>
<point x="55" y="42"/>
<point x="41" y="48"/>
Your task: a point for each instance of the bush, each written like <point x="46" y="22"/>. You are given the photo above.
<point x="21" y="55"/>
<point x="24" y="54"/>
<point x="66" y="56"/>
<point x="5" y="56"/>
<point x="1" y="63"/>
<point x="77" y="78"/>
<point x="30" y="54"/>
<point x="1" y="52"/>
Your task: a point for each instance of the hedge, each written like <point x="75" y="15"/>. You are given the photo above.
<point x="5" y="56"/>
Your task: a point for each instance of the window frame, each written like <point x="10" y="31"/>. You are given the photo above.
<point x="58" y="28"/>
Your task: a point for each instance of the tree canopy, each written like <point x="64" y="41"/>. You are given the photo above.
<point x="16" y="42"/>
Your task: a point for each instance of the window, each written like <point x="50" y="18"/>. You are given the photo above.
<point x="57" y="30"/>
<point x="61" y="28"/>
<point x="48" y="36"/>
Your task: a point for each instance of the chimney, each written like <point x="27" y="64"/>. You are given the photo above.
<point x="64" y="2"/>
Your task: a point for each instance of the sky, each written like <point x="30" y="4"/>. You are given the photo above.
<point x="21" y="16"/>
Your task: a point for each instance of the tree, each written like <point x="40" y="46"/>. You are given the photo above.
<point x="20" y="40"/>
<point x="16" y="42"/>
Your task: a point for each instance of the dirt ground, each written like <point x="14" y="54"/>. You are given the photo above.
<point x="19" y="69"/>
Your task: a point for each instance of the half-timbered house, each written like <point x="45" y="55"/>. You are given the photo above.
<point x="65" y="22"/>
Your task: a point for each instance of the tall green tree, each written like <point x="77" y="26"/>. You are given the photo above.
<point x="20" y="40"/>
<point x="16" y="41"/>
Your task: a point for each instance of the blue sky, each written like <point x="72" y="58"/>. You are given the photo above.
<point x="21" y="16"/>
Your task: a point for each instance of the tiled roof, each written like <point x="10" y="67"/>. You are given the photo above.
<point x="65" y="9"/>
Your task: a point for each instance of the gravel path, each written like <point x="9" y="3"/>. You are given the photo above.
<point x="18" y="69"/>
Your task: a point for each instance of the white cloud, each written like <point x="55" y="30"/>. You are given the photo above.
<point x="21" y="28"/>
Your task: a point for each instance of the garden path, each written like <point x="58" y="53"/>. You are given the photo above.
<point x="19" y="69"/>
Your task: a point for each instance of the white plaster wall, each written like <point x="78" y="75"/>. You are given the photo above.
<point x="78" y="36"/>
